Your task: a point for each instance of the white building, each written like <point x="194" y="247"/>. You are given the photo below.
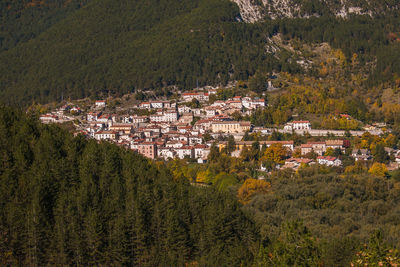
<point x="166" y="153"/>
<point x="93" y="116"/>
<point x="106" y="135"/>
<point x="185" y="151"/>
<point x="200" y="96"/>
<point x="201" y="151"/>
<point x="297" y="125"/>
<point x="145" y="105"/>
<point x="48" y="118"/>
<point x="100" y="103"/>
<point x="329" y="161"/>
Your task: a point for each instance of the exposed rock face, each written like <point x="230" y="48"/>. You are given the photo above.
<point x="249" y="11"/>
<point x="255" y="10"/>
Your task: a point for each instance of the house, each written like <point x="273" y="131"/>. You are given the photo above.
<point x="183" y="109"/>
<point x="158" y="117"/>
<point x="234" y="104"/>
<point x="186" y="118"/>
<point x="184" y="128"/>
<point x="301" y="125"/>
<point x="100" y="104"/>
<point x="175" y="144"/>
<point x="104" y="118"/>
<point x="201" y="151"/>
<point x="297" y="125"/>
<point x="295" y="163"/>
<point x="185" y="151"/>
<point x="202" y="125"/>
<point x="93" y="116"/>
<point x="166" y="153"/>
<point x="75" y="110"/>
<point x="200" y="96"/>
<point x="257" y="103"/>
<point x="230" y="126"/>
<point x="397" y="157"/>
<point x="211" y="111"/>
<point x="337" y="144"/>
<point x="262" y="130"/>
<point x="305" y="149"/>
<point x="288" y="144"/>
<point x="170" y="116"/>
<point x="106" y="135"/>
<point x="329" y="161"/>
<point x="48" y="118"/>
<point x="140" y="119"/>
<point x="195" y="140"/>
<point x="361" y="154"/>
<point x="219" y="103"/>
<point x="317" y="147"/>
<point x="126" y="128"/>
<point x="145" y="105"/>
<point x="241" y="144"/>
<point x="156" y="104"/>
<point x="148" y="149"/>
<point x="212" y="91"/>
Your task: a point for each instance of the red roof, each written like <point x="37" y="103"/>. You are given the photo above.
<point x="327" y="158"/>
<point x="190" y="94"/>
<point x="301" y="121"/>
<point x="300" y="160"/>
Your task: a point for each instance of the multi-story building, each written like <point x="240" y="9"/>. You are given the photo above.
<point x="298" y="125"/>
<point x="148" y="149"/>
<point x="317" y="147"/>
<point x="329" y="161"/>
<point x="122" y="127"/>
<point x="200" y="96"/>
<point x="106" y="135"/>
<point x="230" y="126"/>
<point x="100" y="103"/>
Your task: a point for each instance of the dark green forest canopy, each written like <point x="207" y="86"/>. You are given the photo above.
<point x="69" y="201"/>
<point x="118" y="46"/>
<point x="23" y="20"/>
<point x="72" y="201"/>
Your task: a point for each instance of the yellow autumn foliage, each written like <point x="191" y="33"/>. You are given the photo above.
<point x="252" y="187"/>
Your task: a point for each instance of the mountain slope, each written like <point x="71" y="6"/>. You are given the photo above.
<point x="69" y="201"/>
<point x="120" y="46"/>
<point x="23" y="20"/>
<point x="256" y="10"/>
<point x="114" y="45"/>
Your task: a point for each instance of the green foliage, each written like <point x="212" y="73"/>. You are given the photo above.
<point x="332" y="206"/>
<point x="294" y="246"/>
<point x="70" y="201"/>
<point x="21" y="21"/>
<point x="133" y="45"/>
<point x="377" y="253"/>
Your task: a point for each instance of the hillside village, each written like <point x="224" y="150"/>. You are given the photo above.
<point x="189" y="127"/>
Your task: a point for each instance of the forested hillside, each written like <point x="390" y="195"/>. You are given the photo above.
<point x="118" y="47"/>
<point x="21" y="21"/>
<point x="256" y="10"/>
<point x="69" y="201"/>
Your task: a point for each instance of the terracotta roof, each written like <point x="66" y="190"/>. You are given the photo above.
<point x="300" y="121"/>
<point x="327" y="158"/>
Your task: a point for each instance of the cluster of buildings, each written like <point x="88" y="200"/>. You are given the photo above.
<point x="321" y="148"/>
<point x="171" y="130"/>
<point x="60" y="114"/>
<point x="178" y="129"/>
